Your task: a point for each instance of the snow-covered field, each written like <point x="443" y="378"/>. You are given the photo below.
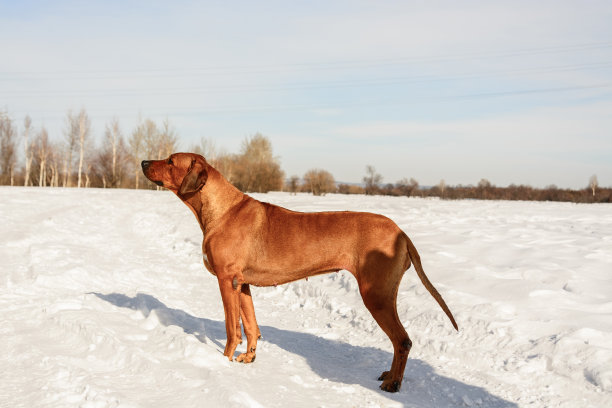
<point x="104" y="302"/>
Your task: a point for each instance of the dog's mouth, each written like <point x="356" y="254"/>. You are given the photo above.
<point x="159" y="183"/>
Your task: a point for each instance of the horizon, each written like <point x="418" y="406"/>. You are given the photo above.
<point x="512" y="92"/>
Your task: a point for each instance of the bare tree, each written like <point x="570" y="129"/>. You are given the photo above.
<point x="71" y="133"/>
<point x="27" y="124"/>
<point x="593" y="184"/>
<point x="168" y="140"/>
<point x="484" y="183"/>
<point x="372" y="180"/>
<point x="84" y="130"/>
<point x="226" y="164"/>
<point x="293" y="184"/>
<point x="218" y="158"/>
<point x="208" y="149"/>
<point x="407" y="187"/>
<point x="54" y="159"/>
<point x="42" y="150"/>
<point x="319" y="182"/>
<point x="88" y="169"/>
<point x="109" y="160"/>
<point x="152" y="142"/>
<point x="113" y="138"/>
<point x="256" y="169"/>
<point x="442" y="187"/>
<point x="137" y="151"/>
<point x="151" y="139"/>
<point x="350" y="189"/>
<point x="484" y="186"/>
<point x="8" y="151"/>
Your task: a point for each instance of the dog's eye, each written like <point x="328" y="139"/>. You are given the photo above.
<point x="170" y="162"/>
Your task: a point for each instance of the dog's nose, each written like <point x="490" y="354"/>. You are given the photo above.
<point x="145" y="165"/>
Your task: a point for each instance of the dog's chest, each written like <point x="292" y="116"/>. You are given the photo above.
<point x="206" y="263"/>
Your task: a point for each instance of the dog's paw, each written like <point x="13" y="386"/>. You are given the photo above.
<point x="246" y="358"/>
<point x="384" y="375"/>
<point x="390" y="386"/>
<point x="230" y="348"/>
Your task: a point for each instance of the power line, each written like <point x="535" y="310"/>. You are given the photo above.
<point x="242" y="88"/>
<point x="191" y="111"/>
<point x="296" y="67"/>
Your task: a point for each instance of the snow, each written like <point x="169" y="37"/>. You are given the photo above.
<point x="104" y="302"/>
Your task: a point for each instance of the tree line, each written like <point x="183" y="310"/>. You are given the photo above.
<point x="485" y="190"/>
<point x="76" y="160"/>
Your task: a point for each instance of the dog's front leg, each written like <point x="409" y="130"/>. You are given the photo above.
<point x="247" y="315"/>
<point x="230" y="294"/>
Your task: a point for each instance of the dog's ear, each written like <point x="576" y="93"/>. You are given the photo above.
<point x="195" y="179"/>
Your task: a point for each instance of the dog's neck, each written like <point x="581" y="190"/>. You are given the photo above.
<point x="215" y="198"/>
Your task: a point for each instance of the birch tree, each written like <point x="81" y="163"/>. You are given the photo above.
<point x="84" y="130"/>
<point x="54" y="159"/>
<point x="42" y="154"/>
<point x="442" y="187"/>
<point x="27" y="128"/>
<point x="150" y="135"/>
<point x="113" y="137"/>
<point x="109" y="162"/>
<point x="593" y="184"/>
<point x="71" y="133"/>
<point x="137" y="151"/>
<point x="167" y="140"/>
<point x="206" y="148"/>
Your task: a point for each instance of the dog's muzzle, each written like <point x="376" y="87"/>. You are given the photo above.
<point x="145" y="166"/>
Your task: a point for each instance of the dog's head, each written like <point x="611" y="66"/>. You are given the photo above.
<point x="182" y="173"/>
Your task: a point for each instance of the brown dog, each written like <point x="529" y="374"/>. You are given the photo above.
<point x="250" y="242"/>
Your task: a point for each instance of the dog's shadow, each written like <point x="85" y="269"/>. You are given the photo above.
<point x="334" y="360"/>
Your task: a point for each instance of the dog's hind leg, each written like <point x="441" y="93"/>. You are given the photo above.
<point x="379" y="296"/>
<point x="384" y="311"/>
<point x="249" y="322"/>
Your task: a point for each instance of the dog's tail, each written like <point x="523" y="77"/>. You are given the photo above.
<point x="416" y="261"/>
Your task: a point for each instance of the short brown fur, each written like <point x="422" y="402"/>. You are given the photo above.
<point x="247" y="242"/>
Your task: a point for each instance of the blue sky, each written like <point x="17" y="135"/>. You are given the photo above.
<point x="514" y="92"/>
